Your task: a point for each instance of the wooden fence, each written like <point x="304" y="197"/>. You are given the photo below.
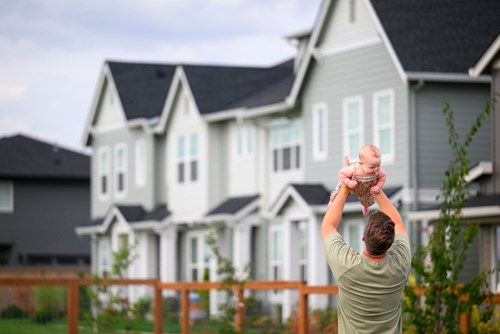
<point x="302" y="288"/>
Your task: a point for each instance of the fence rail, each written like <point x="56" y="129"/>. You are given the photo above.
<point x="304" y="290"/>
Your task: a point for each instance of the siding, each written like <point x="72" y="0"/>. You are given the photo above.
<point x="361" y="72"/>
<point x="47" y="210"/>
<point x="433" y="150"/>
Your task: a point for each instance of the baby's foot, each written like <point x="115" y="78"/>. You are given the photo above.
<point x="366" y="210"/>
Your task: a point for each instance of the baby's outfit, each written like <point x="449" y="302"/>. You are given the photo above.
<point x="362" y="191"/>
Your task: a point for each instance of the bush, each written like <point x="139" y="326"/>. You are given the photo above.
<point x="50" y="303"/>
<point x="13" y="312"/>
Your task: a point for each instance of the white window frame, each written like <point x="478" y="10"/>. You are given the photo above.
<point x="194" y="157"/>
<point x="104" y="170"/>
<point x="120" y="169"/>
<point x="320" y="131"/>
<point x="348" y="150"/>
<point x="387" y="158"/>
<point x="292" y="128"/>
<point x="359" y="225"/>
<point x="188" y="158"/>
<point x="104" y="256"/>
<point x="276" y="254"/>
<point x="180" y="159"/>
<point x="302" y="238"/>
<point x="141" y="162"/>
<point x="202" y="257"/>
<point x="10" y="193"/>
<point x="245" y="141"/>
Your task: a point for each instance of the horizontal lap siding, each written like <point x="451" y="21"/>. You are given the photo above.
<point x="433" y="150"/>
<point x="360" y="72"/>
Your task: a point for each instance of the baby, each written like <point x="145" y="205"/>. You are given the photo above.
<point x="363" y="176"/>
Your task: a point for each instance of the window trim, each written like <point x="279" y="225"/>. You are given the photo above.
<point x="295" y="159"/>
<point x="10" y="208"/>
<point x="201" y="264"/>
<point x="345" y="133"/>
<point x="244" y="139"/>
<point x="116" y="170"/>
<point x="280" y="262"/>
<point x="387" y="158"/>
<point x="347" y="235"/>
<point x="188" y="158"/>
<point x="140" y="180"/>
<point x="320" y="126"/>
<point x="105" y="171"/>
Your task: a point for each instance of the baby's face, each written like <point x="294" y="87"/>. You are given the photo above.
<point x="370" y="164"/>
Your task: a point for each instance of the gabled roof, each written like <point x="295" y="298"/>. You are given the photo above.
<point x="25" y="157"/>
<point x="232" y="205"/>
<point x="315" y="197"/>
<point x="142" y="88"/>
<point x="446" y="36"/>
<point x="135" y="215"/>
<point x="484" y="64"/>
<point x="218" y="88"/>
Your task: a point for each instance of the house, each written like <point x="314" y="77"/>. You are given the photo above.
<point x="252" y="152"/>
<point x="44" y="196"/>
<point x="483" y="206"/>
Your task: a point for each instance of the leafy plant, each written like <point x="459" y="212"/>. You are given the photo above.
<point x="451" y="237"/>
<point x="50" y="303"/>
<point x="110" y="306"/>
<point x="13" y="312"/>
<point x="227" y="274"/>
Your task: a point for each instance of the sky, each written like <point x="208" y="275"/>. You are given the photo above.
<point x="52" y="51"/>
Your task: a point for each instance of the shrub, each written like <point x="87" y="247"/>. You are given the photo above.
<point x="13" y="312"/>
<point x="50" y="303"/>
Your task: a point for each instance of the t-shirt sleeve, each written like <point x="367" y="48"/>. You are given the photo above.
<point x="340" y="255"/>
<point x="401" y="251"/>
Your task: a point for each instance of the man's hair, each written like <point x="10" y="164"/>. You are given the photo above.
<point x="379" y="233"/>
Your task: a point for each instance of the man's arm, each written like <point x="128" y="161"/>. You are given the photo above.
<point x="331" y="220"/>
<point x="386" y="206"/>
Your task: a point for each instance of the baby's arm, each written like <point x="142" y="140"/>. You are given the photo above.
<point x="346" y="174"/>
<point x="381" y="177"/>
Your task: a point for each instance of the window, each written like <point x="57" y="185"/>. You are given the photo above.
<point x="104" y="257"/>
<point x="276" y="254"/>
<point x="104" y="170"/>
<point x="120" y="169"/>
<point x="285" y="141"/>
<point x="199" y="256"/>
<point x="353" y="126"/>
<point x="140" y="163"/>
<point x="245" y="141"/>
<point x="302" y="251"/>
<point x="353" y="232"/>
<point x="320" y="131"/>
<point x="194" y="157"/>
<point x="383" y="123"/>
<point x="187" y="165"/>
<point x="6" y="196"/>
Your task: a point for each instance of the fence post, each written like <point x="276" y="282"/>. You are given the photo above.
<point x="303" y="304"/>
<point x="73" y="307"/>
<point x="464" y="322"/>
<point x="240" y="309"/>
<point x="185" y="311"/>
<point x="158" y="329"/>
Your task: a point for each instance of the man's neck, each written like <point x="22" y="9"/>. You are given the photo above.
<point x="374" y="258"/>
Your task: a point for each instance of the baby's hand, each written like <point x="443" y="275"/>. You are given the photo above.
<point x="375" y="189"/>
<point x="352" y="184"/>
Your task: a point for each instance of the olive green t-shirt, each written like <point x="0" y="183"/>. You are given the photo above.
<point x="370" y="293"/>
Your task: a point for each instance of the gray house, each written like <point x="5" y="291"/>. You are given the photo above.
<point x="44" y="195"/>
<point x="252" y="152"/>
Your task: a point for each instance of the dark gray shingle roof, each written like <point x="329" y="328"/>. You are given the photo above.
<point x="446" y="36"/>
<point x="25" y="157"/>
<point x="143" y="88"/>
<point x="136" y="213"/>
<point x="232" y="205"/>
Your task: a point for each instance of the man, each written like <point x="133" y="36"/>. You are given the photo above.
<point x="370" y="284"/>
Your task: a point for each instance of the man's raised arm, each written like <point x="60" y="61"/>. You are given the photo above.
<point x="331" y="220"/>
<point x="386" y="206"/>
